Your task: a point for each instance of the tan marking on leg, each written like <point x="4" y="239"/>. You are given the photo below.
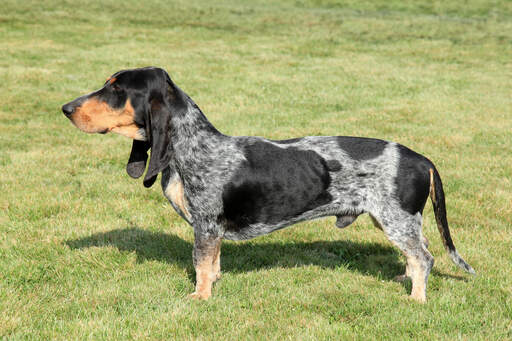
<point x="203" y="281"/>
<point x="432" y="188"/>
<point x="205" y="275"/>
<point x="216" y="264"/>
<point x="95" y="116"/>
<point x="176" y="193"/>
<point x="419" y="290"/>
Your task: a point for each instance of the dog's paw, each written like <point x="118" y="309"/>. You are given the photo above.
<point x="198" y="296"/>
<point x="419" y="298"/>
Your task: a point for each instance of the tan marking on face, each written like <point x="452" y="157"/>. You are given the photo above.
<point x="95" y="116"/>
<point x="112" y="80"/>
<point x="176" y="193"/>
<point x="132" y="131"/>
<point x="432" y="188"/>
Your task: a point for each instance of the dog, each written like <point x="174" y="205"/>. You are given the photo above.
<point x="241" y="187"/>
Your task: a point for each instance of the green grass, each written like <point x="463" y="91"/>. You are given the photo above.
<point x="88" y="253"/>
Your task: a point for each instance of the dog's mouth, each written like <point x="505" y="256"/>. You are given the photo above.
<point x="87" y="129"/>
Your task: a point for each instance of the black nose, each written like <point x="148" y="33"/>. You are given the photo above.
<point x="68" y="109"/>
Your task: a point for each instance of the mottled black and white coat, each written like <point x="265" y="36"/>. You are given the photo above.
<point x="239" y="187"/>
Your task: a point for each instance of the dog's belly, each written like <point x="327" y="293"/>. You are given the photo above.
<point x="258" y="229"/>
<point x="252" y="231"/>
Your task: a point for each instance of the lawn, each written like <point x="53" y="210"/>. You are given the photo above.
<point x="86" y="252"/>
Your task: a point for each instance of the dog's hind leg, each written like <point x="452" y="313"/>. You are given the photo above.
<point x="404" y="231"/>
<point x="399" y="278"/>
<point x="407" y="274"/>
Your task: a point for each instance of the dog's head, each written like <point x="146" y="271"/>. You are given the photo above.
<point x="136" y="103"/>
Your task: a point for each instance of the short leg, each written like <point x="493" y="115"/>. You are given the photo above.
<point x="216" y="263"/>
<point x="420" y="263"/>
<point x="405" y="233"/>
<point x="206" y="251"/>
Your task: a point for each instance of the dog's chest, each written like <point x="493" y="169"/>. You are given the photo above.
<point x="175" y="193"/>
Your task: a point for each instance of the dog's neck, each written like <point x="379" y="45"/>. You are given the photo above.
<point x="193" y="138"/>
<point x="192" y="124"/>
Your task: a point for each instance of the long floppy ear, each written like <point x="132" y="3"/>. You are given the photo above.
<point x="162" y="104"/>
<point x="159" y="129"/>
<point x="138" y="157"/>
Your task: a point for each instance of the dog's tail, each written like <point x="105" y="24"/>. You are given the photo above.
<point x="437" y="197"/>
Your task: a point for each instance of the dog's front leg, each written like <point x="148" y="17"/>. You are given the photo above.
<point x="206" y="262"/>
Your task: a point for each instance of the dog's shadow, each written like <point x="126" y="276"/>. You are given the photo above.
<point x="378" y="260"/>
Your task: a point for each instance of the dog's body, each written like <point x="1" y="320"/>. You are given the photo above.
<point x="254" y="186"/>
<point x="242" y="187"/>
